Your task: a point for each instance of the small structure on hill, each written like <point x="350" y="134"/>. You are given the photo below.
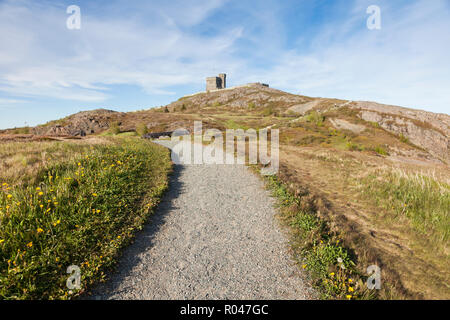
<point x="216" y="83"/>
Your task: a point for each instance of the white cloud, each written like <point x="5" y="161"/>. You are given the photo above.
<point x="161" y="45"/>
<point x="41" y="57"/>
<point x="405" y="63"/>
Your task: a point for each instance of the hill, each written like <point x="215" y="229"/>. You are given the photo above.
<point x="414" y="134"/>
<point x="377" y="175"/>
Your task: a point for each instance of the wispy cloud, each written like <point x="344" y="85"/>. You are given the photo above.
<point x="159" y="45"/>
<point x="39" y="56"/>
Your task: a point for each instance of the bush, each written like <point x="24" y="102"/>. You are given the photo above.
<point x="315" y="117"/>
<point x="24" y="130"/>
<point x="141" y="129"/>
<point x="114" y="128"/>
<point x="403" y="138"/>
<point x="353" y="146"/>
<point x="268" y="111"/>
<point x="381" y="150"/>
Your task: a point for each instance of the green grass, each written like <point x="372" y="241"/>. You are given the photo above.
<point x="77" y="212"/>
<point x="318" y="250"/>
<point x="381" y="150"/>
<point x="231" y="124"/>
<point x="419" y="199"/>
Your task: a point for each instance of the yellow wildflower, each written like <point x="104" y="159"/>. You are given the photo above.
<point x="95" y="195"/>
<point x="41" y="193"/>
<point x="38" y="188"/>
<point x="332" y="274"/>
<point x="304" y="266"/>
<point x="350" y="289"/>
<point x="40" y="230"/>
<point x="30" y="244"/>
<point x="41" y="206"/>
<point x="9" y="196"/>
<point x="2" y="240"/>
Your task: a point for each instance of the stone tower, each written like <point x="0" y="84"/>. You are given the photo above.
<point x="223" y="77"/>
<point x="216" y="83"/>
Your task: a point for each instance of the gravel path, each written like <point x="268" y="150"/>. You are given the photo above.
<point x="213" y="236"/>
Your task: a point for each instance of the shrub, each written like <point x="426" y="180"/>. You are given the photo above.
<point x="141" y="129"/>
<point x="24" y="130"/>
<point x="353" y="146"/>
<point x="381" y="150"/>
<point x="114" y="128"/>
<point x="268" y="111"/>
<point x="315" y="117"/>
<point x="403" y="138"/>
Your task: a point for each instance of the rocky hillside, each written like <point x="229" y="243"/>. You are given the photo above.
<point x="424" y="129"/>
<point x="79" y="124"/>
<point x="258" y="106"/>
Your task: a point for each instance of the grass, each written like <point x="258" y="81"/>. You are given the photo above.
<point x="78" y="210"/>
<point x="381" y="150"/>
<point x="415" y="198"/>
<point x="231" y="124"/>
<point x="318" y="250"/>
<point x="315" y="117"/>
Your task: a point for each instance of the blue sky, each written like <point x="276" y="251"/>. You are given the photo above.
<point x="131" y="55"/>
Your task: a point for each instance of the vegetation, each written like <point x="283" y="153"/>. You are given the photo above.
<point x="268" y="111"/>
<point x="403" y="139"/>
<point x="381" y="150"/>
<point x="315" y="117"/>
<point x="318" y="250"/>
<point x="141" y="129"/>
<point x="23" y="130"/>
<point x="417" y="199"/>
<point x="114" y="128"/>
<point x="80" y="209"/>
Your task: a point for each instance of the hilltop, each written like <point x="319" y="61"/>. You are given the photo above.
<point x="404" y="132"/>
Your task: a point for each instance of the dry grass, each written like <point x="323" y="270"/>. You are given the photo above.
<point x="409" y="243"/>
<point x="20" y="161"/>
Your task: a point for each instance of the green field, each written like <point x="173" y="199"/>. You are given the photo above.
<point x="80" y="205"/>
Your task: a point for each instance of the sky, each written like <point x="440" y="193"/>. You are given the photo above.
<point x="131" y="54"/>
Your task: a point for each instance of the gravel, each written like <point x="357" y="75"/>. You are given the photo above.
<point x="213" y="236"/>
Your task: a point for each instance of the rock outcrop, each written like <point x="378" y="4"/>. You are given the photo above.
<point x="427" y="130"/>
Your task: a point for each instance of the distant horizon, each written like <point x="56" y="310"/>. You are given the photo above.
<point x="54" y="62"/>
